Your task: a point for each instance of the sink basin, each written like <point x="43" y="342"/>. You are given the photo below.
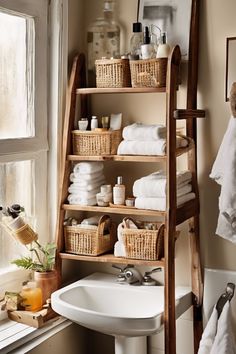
<point x="98" y="302"/>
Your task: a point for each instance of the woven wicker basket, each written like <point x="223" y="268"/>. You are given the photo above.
<point x="90" y="242"/>
<point x="144" y="244"/>
<point x="148" y="73"/>
<point x="91" y="143"/>
<point x="24" y="234"/>
<point x="112" y="73"/>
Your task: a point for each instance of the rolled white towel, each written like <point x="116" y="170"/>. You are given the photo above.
<point x="144" y="132"/>
<point x="149" y="148"/>
<point x="127" y="224"/>
<point x="77" y="200"/>
<point x="93" y="220"/>
<point x="88" y="167"/>
<point x="160" y="203"/>
<point x="84" y="193"/>
<point x="119" y="249"/>
<point x="154" y="185"/>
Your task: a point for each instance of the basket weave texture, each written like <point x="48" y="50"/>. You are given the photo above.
<point x="148" y="73"/>
<point x="24" y="234"/>
<point x="90" y="242"/>
<point x="112" y="73"/>
<point x="91" y="143"/>
<point x="144" y="244"/>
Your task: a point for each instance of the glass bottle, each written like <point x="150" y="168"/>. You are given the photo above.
<point x="32" y="297"/>
<point x="136" y="40"/>
<point x="103" y="39"/>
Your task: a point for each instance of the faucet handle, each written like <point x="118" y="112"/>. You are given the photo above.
<point x="159" y="269"/>
<point x="119" y="268"/>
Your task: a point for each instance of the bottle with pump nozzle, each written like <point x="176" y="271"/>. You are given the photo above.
<point x="163" y="49"/>
<point x="147" y="49"/>
<point x="119" y="192"/>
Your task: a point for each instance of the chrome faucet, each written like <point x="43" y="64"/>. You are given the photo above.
<point x="129" y="275"/>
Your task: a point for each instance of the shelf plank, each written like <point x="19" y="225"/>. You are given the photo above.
<point x="95" y="90"/>
<point x="129" y="158"/>
<point x="114" y="210"/>
<point x="110" y="258"/>
<point x="187" y="210"/>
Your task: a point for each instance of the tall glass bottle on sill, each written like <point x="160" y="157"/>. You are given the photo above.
<point x="103" y="39"/>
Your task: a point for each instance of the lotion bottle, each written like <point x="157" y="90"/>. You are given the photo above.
<point x="94" y="122"/>
<point x="147" y="48"/>
<point x="119" y="192"/>
<point x="163" y="49"/>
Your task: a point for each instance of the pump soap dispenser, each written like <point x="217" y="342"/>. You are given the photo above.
<point x="119" y="192"/>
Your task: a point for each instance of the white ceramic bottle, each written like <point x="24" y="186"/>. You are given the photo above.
<point x="94" y="123"/>
<point x="119" y="192"/>
<point x="147" y="49"/>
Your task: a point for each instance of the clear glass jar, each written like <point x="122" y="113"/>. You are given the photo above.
<point x="136" y="40"/>
<point x="103" y="39"/>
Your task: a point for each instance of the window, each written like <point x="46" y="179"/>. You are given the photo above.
<point x="24" y="116"/>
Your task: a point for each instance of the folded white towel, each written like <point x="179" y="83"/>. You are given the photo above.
<point x="160" y="203"/>
<point x="88" y="167"/>
<point x="88" y="185"/>
<point x="154" y="185"/>
<point x="224" y="173"/>
<point x="76" y="177"/>
<point x="77" y="200"/>
<point x="151" y="148"/>
<point x="84" y="193"/>
<point x="119" y="249"/>
<point x="144" y="132"/>
<point x="218" y="337"/>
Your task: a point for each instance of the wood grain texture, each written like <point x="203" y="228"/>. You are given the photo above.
<point x="189" y="113"/>
<point x="94" y="90"/>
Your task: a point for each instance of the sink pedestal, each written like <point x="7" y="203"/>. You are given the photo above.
<point x="130" y="345"/>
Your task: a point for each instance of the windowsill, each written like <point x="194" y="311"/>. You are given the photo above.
<point x="14" y="335"/>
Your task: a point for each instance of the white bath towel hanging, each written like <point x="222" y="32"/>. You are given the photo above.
<point x="224" y="173"/>
<point x="218" y="337"/>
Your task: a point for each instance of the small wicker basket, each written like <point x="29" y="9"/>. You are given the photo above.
<point x="90" y="242"/>
<point x="112" y="73"/>
<point x="92" y="143"/>
<point x="144" y="244"/>
<point x="148" y="73"/>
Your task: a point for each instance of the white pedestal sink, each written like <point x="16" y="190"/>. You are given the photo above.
<point x="128" y="312"/>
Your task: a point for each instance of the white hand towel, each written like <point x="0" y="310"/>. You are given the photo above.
<point x="144" y="132"/>
<point x="84" y="194"/>
<point x="119" y="249"/>
<point x="88" y="185"/>
<point x="75" y="177"/>
<point x="88" y="167"/>
<point x="209" y="333"/>
<point x="224" y="173"/>
<point x="160" y="203"/>
<point x="151" y="148"/>
<point x="218" y="337"/>
<point x="154" y="185"/>
<point x="77" y="200"/>
<point x="127" y="224"/>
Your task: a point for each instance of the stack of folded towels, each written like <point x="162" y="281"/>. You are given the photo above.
<point x="141" y="139"/>
<point x="119" y="248"/>
<point x="150" y="191"/>
<point x="86" y="178"/>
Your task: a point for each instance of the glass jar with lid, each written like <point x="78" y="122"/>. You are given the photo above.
<point x="103" y="39"/>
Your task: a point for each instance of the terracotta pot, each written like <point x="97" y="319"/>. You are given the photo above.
<point x="48" y="282"/>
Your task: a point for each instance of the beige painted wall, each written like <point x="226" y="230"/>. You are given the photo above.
<point x="217" y="23"/>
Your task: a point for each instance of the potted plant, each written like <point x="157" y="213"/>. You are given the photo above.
<point x="41" y="261"/>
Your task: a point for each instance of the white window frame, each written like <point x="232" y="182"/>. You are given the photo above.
<point x="53" y="56"/>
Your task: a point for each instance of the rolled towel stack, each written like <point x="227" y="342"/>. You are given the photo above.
<point x="141" y="139"/>
<point x="119" y="247"/>
<point x="150" y="191"/>
<point x="86" y="178"/>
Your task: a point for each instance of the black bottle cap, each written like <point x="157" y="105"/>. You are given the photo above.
<point x="146" y="36"/>
<point x="137" y="27"/>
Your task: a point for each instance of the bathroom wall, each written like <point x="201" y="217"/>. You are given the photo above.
<point x="217" y="22"/>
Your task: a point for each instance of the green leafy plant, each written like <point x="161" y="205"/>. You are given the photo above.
<point x="42" y="258"/>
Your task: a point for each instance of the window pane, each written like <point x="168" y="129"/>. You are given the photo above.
<point x="16" y="76"/>
<point x="17" y="186"/>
